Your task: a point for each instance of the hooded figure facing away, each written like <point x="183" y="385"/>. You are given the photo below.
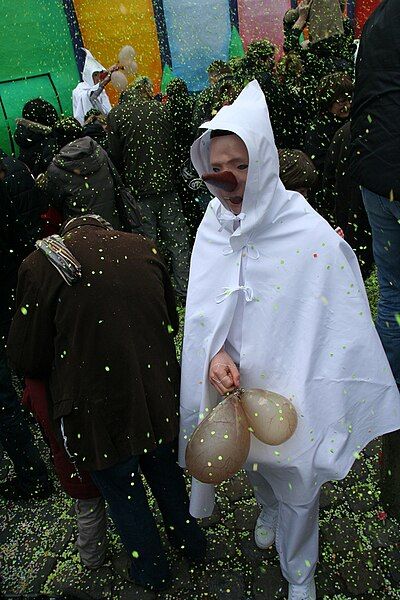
<point x="34" y="135"/>
<point x="141" y="146"/>
<point x="105" y="346"/>
<point x="79" y="181"/>
<point x="90" y="93"/>
<point x="276" y="301"/>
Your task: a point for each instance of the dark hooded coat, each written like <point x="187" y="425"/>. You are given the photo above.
<point x="375" y="130"/>
<point x="37" y="145"/>
<point x="105" y="344"/>
<point x="80" y="181"/>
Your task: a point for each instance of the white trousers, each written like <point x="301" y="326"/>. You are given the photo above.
<point x="296" y="537"/>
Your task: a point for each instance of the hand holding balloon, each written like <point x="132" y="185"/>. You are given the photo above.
<point x="223" y="373"/>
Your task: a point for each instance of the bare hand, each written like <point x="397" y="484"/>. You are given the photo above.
<point x="223" y="373"/>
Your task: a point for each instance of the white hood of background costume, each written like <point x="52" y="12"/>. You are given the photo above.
<point x="81" y="103"/>
<point x="307" y="331"/>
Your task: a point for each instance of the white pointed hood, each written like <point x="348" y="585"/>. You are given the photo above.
<point x="91" y="66"/>
<point x="81" y="95"/>
<point x="265" y="195"/>
<point x="284" y="294"/>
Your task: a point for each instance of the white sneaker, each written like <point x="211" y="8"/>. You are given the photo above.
<point x="264" y="532"/>
<point x="306" y="591"/>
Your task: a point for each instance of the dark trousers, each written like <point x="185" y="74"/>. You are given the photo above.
<point x="122" y="487"/>
<point x="16" y="437"/>
<point x="164" y="221"/>
<point x="384" y="218"/>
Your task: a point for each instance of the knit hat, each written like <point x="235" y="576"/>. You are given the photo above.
<point x="40" y="111"/>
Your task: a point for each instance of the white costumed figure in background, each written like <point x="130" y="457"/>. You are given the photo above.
<point x="276" y="301"/>
<point x="90" y="93"/>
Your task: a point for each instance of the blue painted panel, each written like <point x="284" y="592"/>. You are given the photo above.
<point x="198" y="33"/>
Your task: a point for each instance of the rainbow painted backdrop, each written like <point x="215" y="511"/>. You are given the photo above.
<point x="41" y="40"/>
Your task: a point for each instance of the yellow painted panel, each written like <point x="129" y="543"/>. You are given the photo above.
<point x="107" y="25"/>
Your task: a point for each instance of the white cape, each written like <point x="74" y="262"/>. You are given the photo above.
<point x="81" y="103"/>
<point x="307" y="331"/>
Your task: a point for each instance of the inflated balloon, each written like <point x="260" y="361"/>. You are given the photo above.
<point x="220" y="445"/>
<point x="126" y="55"/>
<point x="131" y="68"/>
<point x="272" y="417"/>
<point x="119" y="81"/>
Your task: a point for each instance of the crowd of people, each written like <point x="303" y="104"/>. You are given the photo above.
<point x="124" y="200"/>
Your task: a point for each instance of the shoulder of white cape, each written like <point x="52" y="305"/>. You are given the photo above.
<point x="82" y="87"/>
<point x="307" y="222"/>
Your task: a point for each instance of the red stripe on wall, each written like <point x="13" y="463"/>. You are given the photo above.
<point x="363" y="9"/>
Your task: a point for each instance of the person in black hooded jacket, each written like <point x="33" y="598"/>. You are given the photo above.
<point x="334" y="96"/>
<point x="79" y="181"/>
<point x="25" y="196"/>
<point x="375" y="166"/>
<point x="34" y="135"/>
<point x="31" y="478"/>
<point x="95" y="127"/>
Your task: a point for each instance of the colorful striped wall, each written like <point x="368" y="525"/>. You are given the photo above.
<point x="186" y="35"/>
<point x="40" y="43"/>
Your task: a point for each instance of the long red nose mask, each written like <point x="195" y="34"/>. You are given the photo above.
<point x="225" y="180"/>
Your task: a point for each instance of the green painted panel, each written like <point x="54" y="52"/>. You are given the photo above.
<point x="34" y="41"/>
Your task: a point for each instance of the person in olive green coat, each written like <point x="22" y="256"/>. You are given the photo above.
<point x="141" y="146"/>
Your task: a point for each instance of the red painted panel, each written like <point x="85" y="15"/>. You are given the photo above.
<point x="363" y="9"/>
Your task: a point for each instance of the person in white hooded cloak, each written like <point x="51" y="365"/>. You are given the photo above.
<point x="91" y="93"/>
<point x="276" y="301"/>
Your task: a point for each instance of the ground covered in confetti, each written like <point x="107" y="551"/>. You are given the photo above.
<point x="359" y="545"/>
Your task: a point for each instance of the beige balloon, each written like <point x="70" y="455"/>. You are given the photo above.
<point x="272" y="417"/>
<point x="119" y="81"/>
<point x="126" y="55"/>
<point x="131" y="68"/>
<point x="220" y="445"/>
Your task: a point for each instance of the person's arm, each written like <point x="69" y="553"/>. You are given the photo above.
<point x="329" y="181"/>
<point x="52" y="191"/>
<point x="170" y="300"/>
<point x="304" y="10"/>
<point x="94" y="95"/>
<point x="292" y="34"/>
<point x="30" y="345"/>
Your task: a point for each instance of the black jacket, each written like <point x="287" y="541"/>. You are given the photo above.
<point x="105" y="344"/>
<point x="319" y="138"/>
<point x="15" y="245"/>
<point x="26" y="198"/>
<point x="375" y="146"/>
<point x="345" y="195"/>
<point x="79" y="181"/>
<point x="37" y="145"/>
